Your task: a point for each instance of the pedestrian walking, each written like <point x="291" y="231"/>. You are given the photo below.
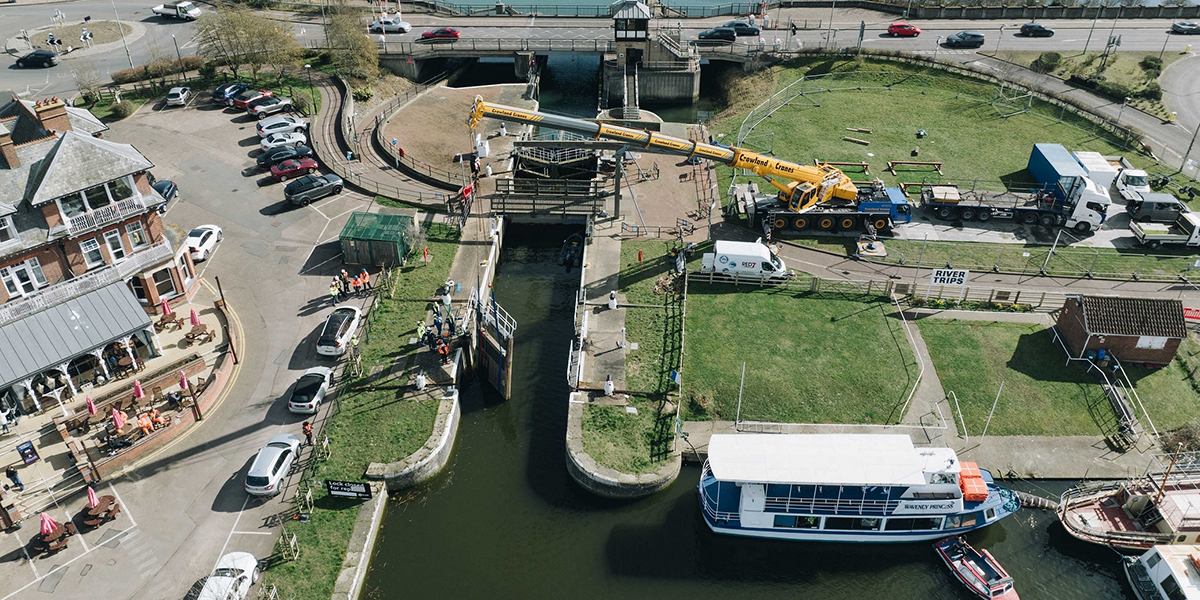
<point x="366" y="278"/>
<point x="437" y="324"/>
<point x="793" y="29"/>
<point x="333" y="292"/>
<point x="3" y="421"/>
<point x="307" y="432"/>
<point x="11" y="474"/>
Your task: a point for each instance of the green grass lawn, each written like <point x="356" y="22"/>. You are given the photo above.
<point x="367" y="426"/>
<point x="629" y="443"/>
<point x="1123" y="68"/>
<point x="657" y="331"/>
<point x="1042" y="394"/>
<point x="825" y="359"/>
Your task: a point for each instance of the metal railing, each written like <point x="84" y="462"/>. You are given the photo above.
<point x="499" y="47"/>
<point x="106" y="214"/>
<point x="556" y="188"/>
<point x="134" y="263"/>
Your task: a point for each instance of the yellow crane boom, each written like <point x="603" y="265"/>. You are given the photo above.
<point x="805" y="185"/>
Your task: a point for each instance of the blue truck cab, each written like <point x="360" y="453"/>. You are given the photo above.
<point x="892" y="203"/>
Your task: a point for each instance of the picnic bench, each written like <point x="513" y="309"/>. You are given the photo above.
<point x="937" y="166"/>
<point x="107" y="508"/>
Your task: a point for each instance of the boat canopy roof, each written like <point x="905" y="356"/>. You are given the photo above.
<point x="1183" y="561"/>
<point x="838" y="459"/>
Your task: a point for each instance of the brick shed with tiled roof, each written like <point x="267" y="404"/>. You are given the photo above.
<point x="1135" y="330"/>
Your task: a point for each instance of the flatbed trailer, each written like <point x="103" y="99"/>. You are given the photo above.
<point x="952" y="204"/>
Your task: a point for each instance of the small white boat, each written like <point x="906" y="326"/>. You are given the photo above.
<point x="1165" y="571"/>
<point x="977" y="570"/>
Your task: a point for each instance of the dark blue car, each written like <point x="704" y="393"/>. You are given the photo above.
<point x="225" y="93"/>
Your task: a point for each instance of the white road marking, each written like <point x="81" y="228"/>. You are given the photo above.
<point x="255" y="532"/>
<point x="124" y="507"/>
<point x="230" y="536"/>
<point x="28" y="558"/>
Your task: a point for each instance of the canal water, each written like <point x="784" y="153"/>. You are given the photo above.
<point x="505" y="521"/>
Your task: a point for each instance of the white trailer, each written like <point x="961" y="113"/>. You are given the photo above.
<point x="1185" y="230"/>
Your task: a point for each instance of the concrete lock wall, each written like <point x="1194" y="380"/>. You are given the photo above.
<point x="601" y="480"/>
<point x="430" y="458"/>
<point x="669" y="86"/>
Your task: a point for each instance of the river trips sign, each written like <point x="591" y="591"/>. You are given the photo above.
<point x="348" y="489"/>
<point x="949" y="277"/>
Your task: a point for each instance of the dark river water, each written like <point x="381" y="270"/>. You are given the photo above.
<point x="505" y="521"/>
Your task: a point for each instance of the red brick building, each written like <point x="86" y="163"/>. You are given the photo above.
<point x="1135" y="330"/>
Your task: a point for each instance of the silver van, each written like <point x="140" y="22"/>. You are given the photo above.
<point x="1155" y="208"/>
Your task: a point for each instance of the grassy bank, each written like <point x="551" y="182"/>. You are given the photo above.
<point x="809" y="358"/>
<point x="657" y="331"/>
<point x="629" y="442"/>
<point x="366" y="426"/>
<point x="1128" y="69"/>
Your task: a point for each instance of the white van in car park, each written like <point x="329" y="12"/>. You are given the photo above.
<point x="744" y="259"/>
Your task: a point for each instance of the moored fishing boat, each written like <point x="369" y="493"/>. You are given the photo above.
<point x="978" y="570"/>
<point x="1165" y="573"/>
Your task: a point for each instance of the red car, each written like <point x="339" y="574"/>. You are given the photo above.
<point x="293" y="167"/>
<point x="903" y="29"/>
<point x="441" y="33"/>
<point x="243" y="100"/>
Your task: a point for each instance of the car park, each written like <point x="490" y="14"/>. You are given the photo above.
<point x="311" y="188"/>
<point x="276" y="140"/>
<point x="235" y="573"/>
<point x="338" y="329"/>
<point x="265" y="107"/>
<point x="1185" y="27"/>
<point x="902" y="29"/>
<point x="448" y="34"/>
<point x="965" y="39"/>
<point x="281" y="124"/>
<point x="271" y="465"/>
<point x="245" y="97"/>
<point x="719" y="34"/>
<point x="38" y="58"/>
<point x="179" y="96"/>
<point x="1036" y="30"/>
<point x="390" y="26"/>
<point x="292" y="167"/>
<point x="306" y="395"/>
<point x="202" y="241"/>
<point x="225" y="93"/>
<point x="277" y="155"/>
<point x="742" y="28"/>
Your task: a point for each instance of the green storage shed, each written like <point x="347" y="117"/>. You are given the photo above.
<point x="381" y="240"/>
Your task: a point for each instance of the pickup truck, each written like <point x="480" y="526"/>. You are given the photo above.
<point x="1185" y="230"/>
<point x="179" y="10"/>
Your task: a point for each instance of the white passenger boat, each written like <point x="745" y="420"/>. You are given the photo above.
<point x="1165" y="573"/>
<point x="845" y="488"/>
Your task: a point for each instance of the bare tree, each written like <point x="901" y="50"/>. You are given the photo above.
<point x="225" y="37"/>
<point x="351" y="51"/>
<point x="88" y="80"/>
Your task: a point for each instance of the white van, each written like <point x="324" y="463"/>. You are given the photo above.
<point x="744" y="259"/>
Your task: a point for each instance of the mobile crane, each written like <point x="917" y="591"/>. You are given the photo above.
<point x="810" y="197"/>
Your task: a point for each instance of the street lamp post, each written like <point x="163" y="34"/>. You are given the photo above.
<point x="121" y="28"/>
<point x="1189" y="151"/>
<point x="1091" y="31"/>
<point x="829" y="32"/>
<point x="1122" y="111"/>
<point x="1164" y="48"/>
<point x="311" y="94"/>
<point x="179" y="58"/>
<point x="999" y="38"/>
<point x="936" y="47"/>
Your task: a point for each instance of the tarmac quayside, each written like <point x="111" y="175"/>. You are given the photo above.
<point x="845" y="488"/>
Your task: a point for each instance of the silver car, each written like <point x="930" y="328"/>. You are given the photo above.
<point x="232" y="578"/>
<point x="179" y="96"/>
<point x="310" y="390"/>
<point x="338" y="329"/>
<point x="276" y="140"/>
<point x="281" y="124"/>
<point x="272" y="465"/>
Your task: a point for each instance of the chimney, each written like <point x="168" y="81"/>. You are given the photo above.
<point x="52" y="112"/>
<point x="7" y="150"/>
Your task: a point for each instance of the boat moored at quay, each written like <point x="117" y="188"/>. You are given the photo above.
<point x="845" y="488"/>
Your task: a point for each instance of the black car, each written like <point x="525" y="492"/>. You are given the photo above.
<point x="226" y="92"/>
<point x="719" y="34"/>
<point x="38" y="58"/>
<point x="275" y="156"/>
<point x="312" y="187"/>
<point x="1185" y="27"/>
<point x="965" y="39"/>
<point x="1036" y="30"/>
<point x="743" y="28"/>
<point x="166" y="188"/>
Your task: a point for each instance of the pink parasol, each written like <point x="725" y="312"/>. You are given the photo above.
<point x="137" y="389"/>
<point x="48" y="525"/>
<point x="183" y="382"/>
<point x="118" y="419"/>
<point x="93" y="501"/>
<point x="166" y="308"/>
<point x="195" y="318"/>
<point x="91" y="405"/>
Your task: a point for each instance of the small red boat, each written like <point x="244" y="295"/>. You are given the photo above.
<point x="977" y="570"/>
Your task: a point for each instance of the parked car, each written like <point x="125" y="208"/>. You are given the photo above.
<point x="390" y="26"/>
<point x="312" y="187"/>
<point x="1155" y="208"/>
<point x="272" y="465"/>
<point x="277" y="155"/>
<point x="38" y="58"/>
<point x="743" y="28"/>
<point x="265" y="107"/>
<point x="232" y="578"/>
<point x="338" y="329"/>
<point x="965" y="39"/>
<point x="245" y="97"/>
<point x="902" y="29"/>
<point x="276" y="140"/>
<point x="225" y="93"/>
<point x="179" y="96"/>
<point x="720" y="34"/>
<point x="166" y="188"/>
<point x="1185" y="27"/>
<point x="1036" y="30"/>
<point x="308" y="393"/>
<point x="292" y="167"/>
<point x="281" y="124"/>
<point x="202" y="241"/>
<point x="448" y="34"/>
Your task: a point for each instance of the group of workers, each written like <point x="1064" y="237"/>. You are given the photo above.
<point x="347" y="286"/>
<point x="432" y="335"/>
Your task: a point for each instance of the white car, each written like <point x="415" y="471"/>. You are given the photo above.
<point x="276" y="140"/>
<point x="272" y="464"/>
<point x="179" y="96"/>
<point x="202" y="241"/>
<point x="390" y="26"/>
<point x="281" y="124"/>
<point x="310" y="390"/>
<point x="338" y="329"/>
<point x="232" y="578"/>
